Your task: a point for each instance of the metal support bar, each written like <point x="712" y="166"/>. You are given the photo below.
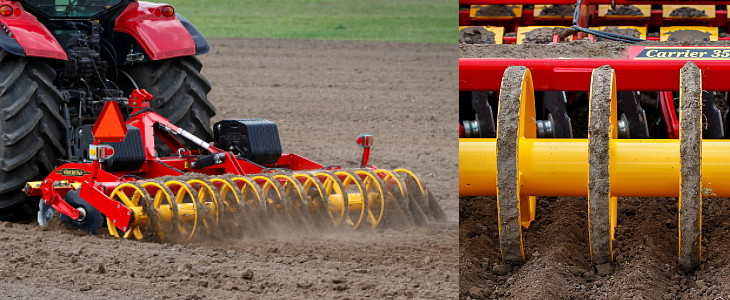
<point x="574" y="74"/>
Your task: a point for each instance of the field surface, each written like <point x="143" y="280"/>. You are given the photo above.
<point x="322" y="94"/>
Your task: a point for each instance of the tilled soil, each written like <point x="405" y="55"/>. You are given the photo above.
<point x="558" y="10"/>
<point x="539" y="36"/>
<point x="624" y="10"/>
<point x="558" y="264"/>
<point x="476" y="35"/>
<point x="495" y="11"/>
<point x="688" y="35"/>
<point x="322" y="94"/>
<point x="622" y="31"/>
<point x="688" y="12"/>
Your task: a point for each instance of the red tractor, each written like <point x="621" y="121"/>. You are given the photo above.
<point x="61" y="60"/>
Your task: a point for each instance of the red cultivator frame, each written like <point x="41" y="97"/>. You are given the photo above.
<point x="485" y="74"/>
<point x="138" y="193"/>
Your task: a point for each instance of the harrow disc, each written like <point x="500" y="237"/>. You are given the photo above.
<point x="162" y="211"/>
<point x="207" y="200"/>
<point x="134" y="197"/>
<point x="373" y="186"/>
<point x="91" y="219"/>
<point x="421" y="195"/>
<point x="227" y="195"/>
<point x="188" y="210"/>
<point x="252" y="203"/>
<point x="600" y="211"/>
<point x="275" y="199"/>
<point x="516" y="83"/>
<point x="316" y="198"/>
<point x="336" y="197"/>
<point x="297" y="199"/>
<point x="690" y="181"/>
<point x="398" y="213"/>
<point x="357" y="198"/>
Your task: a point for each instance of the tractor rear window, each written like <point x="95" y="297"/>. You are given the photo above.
<point x="71" y="8"/>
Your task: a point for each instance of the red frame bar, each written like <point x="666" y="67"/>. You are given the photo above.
<point x="574" y="74"/>
<point x="669" y="113"/>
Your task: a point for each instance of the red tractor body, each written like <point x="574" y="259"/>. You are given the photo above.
<point x="160" y="36"/>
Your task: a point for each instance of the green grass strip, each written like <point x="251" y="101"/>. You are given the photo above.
<point x="425" y="21"/>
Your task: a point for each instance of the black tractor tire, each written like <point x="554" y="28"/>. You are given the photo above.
<point x="32" y="131"/>
<point x="180" y="93"/>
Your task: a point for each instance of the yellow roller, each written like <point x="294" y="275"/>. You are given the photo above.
<point x="373" y="186"/>
<point x="356" y="197"/>
<point x="134" y="198"/>
<point x="187" y="208"/>
<point x="227" y="194"/>
<point x="177" y="210"/>
<point x="162" y="211"/>
<point x="296" y="199"/>
<point x="251" y="194"/>
<point x="253" y="204"/>
<point x="316" y="195"/>
<point x="209" y="206"/>
<point x="275" y="199"/>
<point x="336" y="197"/>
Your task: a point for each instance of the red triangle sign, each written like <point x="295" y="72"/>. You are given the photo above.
<point x="110" y="126"/>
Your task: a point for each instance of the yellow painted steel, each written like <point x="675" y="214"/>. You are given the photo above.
<point x="354" y="202"/>
<point x="478" y="167"/>
<point x="294" y="191"/>
<point x="270" y="190"/>
<point x="559" y="167"/>
<point x="316" y="194"/>
<point x="335" y="191"/>
<point x="390" y="179"/>
<point x="250" y="193"/>
<point x="356" y="197"/>
<point x="227" y="194"/>
<point x="376" y="197"/>
<point x="188" y="216"/>
<point x="133" y="198"/>
<point x="208" y="201"/>
<point x="162" y="210"/>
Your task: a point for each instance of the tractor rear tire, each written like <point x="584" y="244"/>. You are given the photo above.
<point x="32" y="131"/>
<point x="180" y="93"/>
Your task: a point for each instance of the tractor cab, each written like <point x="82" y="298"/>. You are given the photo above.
<point x="72" y="9"/>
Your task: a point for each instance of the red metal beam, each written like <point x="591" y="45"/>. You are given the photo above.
<point x="574" y="74"/>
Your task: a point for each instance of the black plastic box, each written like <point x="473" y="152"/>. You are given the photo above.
<point x="255" y="139"/>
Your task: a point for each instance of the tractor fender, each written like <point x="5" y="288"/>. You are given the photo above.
<point x="161" y="37"/>
<point x="22" y="34"/>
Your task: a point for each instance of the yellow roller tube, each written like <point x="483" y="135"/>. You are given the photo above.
<point x="559" y="167"/>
